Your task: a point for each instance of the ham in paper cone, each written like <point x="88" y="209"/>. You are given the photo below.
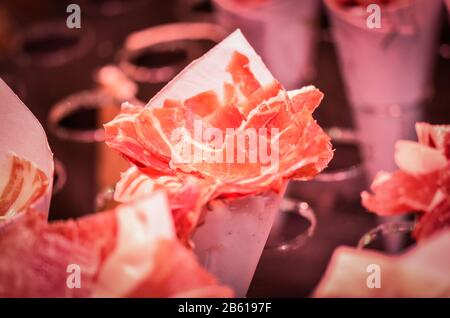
<point x="228" y="88"/>
<point x="422" y="184"/>
<point x="423" y="271"/>
<point x="127" y="252"/>
<point x="26" y="162"/>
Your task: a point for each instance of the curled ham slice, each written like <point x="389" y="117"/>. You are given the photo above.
<point x="184" y="196"/>
<point x="21" y="185"/>
<point x="423" y="271"/>
<point x="129" y="251"/>
<point x="422" y="184"/>
<point x="228" y="88"/>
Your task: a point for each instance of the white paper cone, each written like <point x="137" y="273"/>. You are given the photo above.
<point x="22" y="134"/>
<point x="283" y="33"/>
<point x="388" y="74"/>
<point x="379" y="131"/>
<point x="232" y="238"/>
<point x="392" y="64"/>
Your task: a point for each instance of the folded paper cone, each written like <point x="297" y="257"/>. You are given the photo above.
<point x="387" y="71"/>
<point x="230" y="242"/>
<point x="379" y="131"/>
<point x="284" y="33"/>
<point x="22" y="135"/>
<point x="390" y="64"/>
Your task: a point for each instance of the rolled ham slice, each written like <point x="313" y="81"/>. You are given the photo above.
<point x="423" y="271"/>
<point x="421" y="185"/>
<point x="131" y="251"/>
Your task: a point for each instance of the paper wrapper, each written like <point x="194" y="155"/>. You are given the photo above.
<point x="230" y="242"/>
<point x="392" y="64"/>
<point x="387" y="71"/>
<point x="282" y="32"/>
<point x="21" y="134"/>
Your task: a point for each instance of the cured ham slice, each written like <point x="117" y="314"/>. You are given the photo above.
<point x="129" y="251"/>
<point x="228" y="88"/>
<point x="423" y="271"/>
<point x="21" y="185"/>
<point x="422" y="184"/>
<point x="184" y="196"/>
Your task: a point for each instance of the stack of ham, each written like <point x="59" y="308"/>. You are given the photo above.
<point x="421" y="185"/>
<point x="22" y="184"/>
<point x="131" y="251"/>
<point x="228" y="88"/>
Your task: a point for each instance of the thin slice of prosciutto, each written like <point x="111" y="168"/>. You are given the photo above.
<point x="21" y="185"/>
<point x="229" y="88"/>
<point x="421" y="185"/>
<point x="130" y="251"/>
<point x="423" y="271"/>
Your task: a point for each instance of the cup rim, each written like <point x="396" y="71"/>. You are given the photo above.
<point x="383" y="229"/>
<point x="85" y="36"/>
<point x="89" y="99"/>
<point x="346" y="16"/>
<point x="142" y="40"/>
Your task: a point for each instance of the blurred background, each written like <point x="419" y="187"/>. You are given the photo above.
<point x="377" y="84"/>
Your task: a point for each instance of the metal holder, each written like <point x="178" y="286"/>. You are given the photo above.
<point x="384" y="233"/>
<point x="302" y="210"/>
<point x="72" y="104"/>
<point x="180" y="42"/>
<point x="74" y="43"/>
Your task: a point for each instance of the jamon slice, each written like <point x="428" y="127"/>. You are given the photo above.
<point x="437" y="219"/>
<point x="423" y="271"/>
<point x="184" y="196"/>
<point x="422" y="184"/>
<point x="21" y="185"/>
<point x="129" y="251"/>
<point x="435" y="136"/>
<point x="228" y="88"/>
